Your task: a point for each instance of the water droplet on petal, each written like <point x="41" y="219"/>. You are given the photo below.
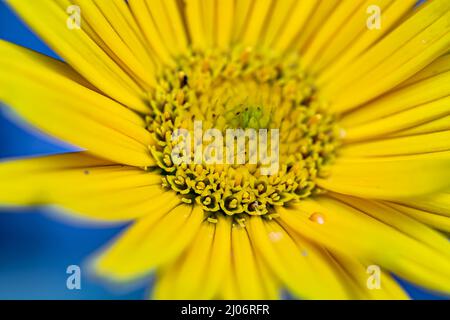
<point x="317" y="217"/>
<point x="275" y="236"/>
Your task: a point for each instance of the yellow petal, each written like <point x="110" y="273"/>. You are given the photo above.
<point x="209" y="26"/>
<point x="440" y="65"/>
<point x="358" y="278"/>
<point x="343" y="13"/>
<point x="219" y="261"/>
<point x="431" y="219"/>
<point x="408" y="49"/>
<point x="26" y="178"/>
<point x="390" y="177"/>
<point x="399" y="221"/>
<point x="323" y="10"/>
<point x="230" y="291"/>
<point x="390" y="17"/>
<point x="189" y="273"/>
<point x="169" y="25"/>
<point x="242" y="13"/>
<point x="153" y="241"/>
<point x="261" y="9"/>
<point x="424" y="143"/>
<point x="281" y="12"/>
<point x="438" y="203"/>
<point x="247" y="271"/>
<point x="282" y="254"/>
<point x="430" y="93"/>
<point x="399" y="121"/>
<point x="347" y="230"/>
<point x="128" y="204"/>
<point x="230" y="287"/>
<point x="85" y="186"/>
<point x="346" y="35"/>
<point x="58" y="104"/>
<point x="106" y="22"/>
<point x="437" y="125"/>
<point x="299" y="15"/>
<point x="149" y="29"/>
<point x="195" y="23"/>
<point x="225" y="21"/>
<point x="75" y="46"/>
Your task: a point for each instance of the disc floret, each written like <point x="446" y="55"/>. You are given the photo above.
<point x="242" y="89"/>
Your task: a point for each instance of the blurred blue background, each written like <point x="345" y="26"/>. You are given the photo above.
<point x="35" y="247"/>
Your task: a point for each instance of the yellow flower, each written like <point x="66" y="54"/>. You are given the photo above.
<point x="363" y="113"/>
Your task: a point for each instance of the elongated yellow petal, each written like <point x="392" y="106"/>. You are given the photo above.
<point x="436" y="221"/>
<point x="399" y="221"/>
<point x="345" y="229"/>
<point x="162" y="287"/>
<point x="56" y="73"/>
<point x="390" y="17"/>
<point x="248" y="275"/>
<point x="282" y="254"/>
<point x="358" y="277"/>
<point x="261" y="9"/>
<point x="340" y="16"/>
<point x="438" y="203"/>
<point x="390" y="177"/>
<point x="53" y="162"/>
<point x="209" y="18"/>
<point x="347" y="34"/>
<point x="440" y="65"/>
<point x="322" y="11"/>
<point x="209" y="269"/>
<point x="230" y="289"/>
<point x="194" y="19"/>
<point x="394" y="59"/>
<point x="128" y="203"/>
<point x="219" y="261"/>
<point x="299" y="15"/>
<point x="168" y="23"/>
<point x="83" y="185"/>
<point x="243" y="9"/>
<point x="123" y="8"/>
<point x="154" y="39"/>
<point x="385" y="81"/>
<point x="58" y="104"/>
<point x="201" y="272"/>
<point x="424" y="143"/>
<point x="74" y="185"/>
<point x="433" y="91"/>
<point x="437" y="125"/>
<point x="50" y="21"/>
<point x="272" y="285"/>
<point x="225" y="22"/>
<point x="106" y="22"/>
<point x="191" y="269"/>
<point x="153" y="241"/>
<point x="393" y="42"/>
<point x="400" y="121"/>
<point x="282" y="11"/>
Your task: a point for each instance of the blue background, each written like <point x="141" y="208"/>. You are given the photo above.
<point x="35" y="246"/>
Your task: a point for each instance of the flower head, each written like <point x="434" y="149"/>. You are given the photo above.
<point x="255" y="145"/>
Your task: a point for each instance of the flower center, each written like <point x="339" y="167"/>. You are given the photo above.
<point x="213" y="97"/>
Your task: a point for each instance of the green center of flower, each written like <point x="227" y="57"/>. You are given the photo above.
<point x="254" y="135"/>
